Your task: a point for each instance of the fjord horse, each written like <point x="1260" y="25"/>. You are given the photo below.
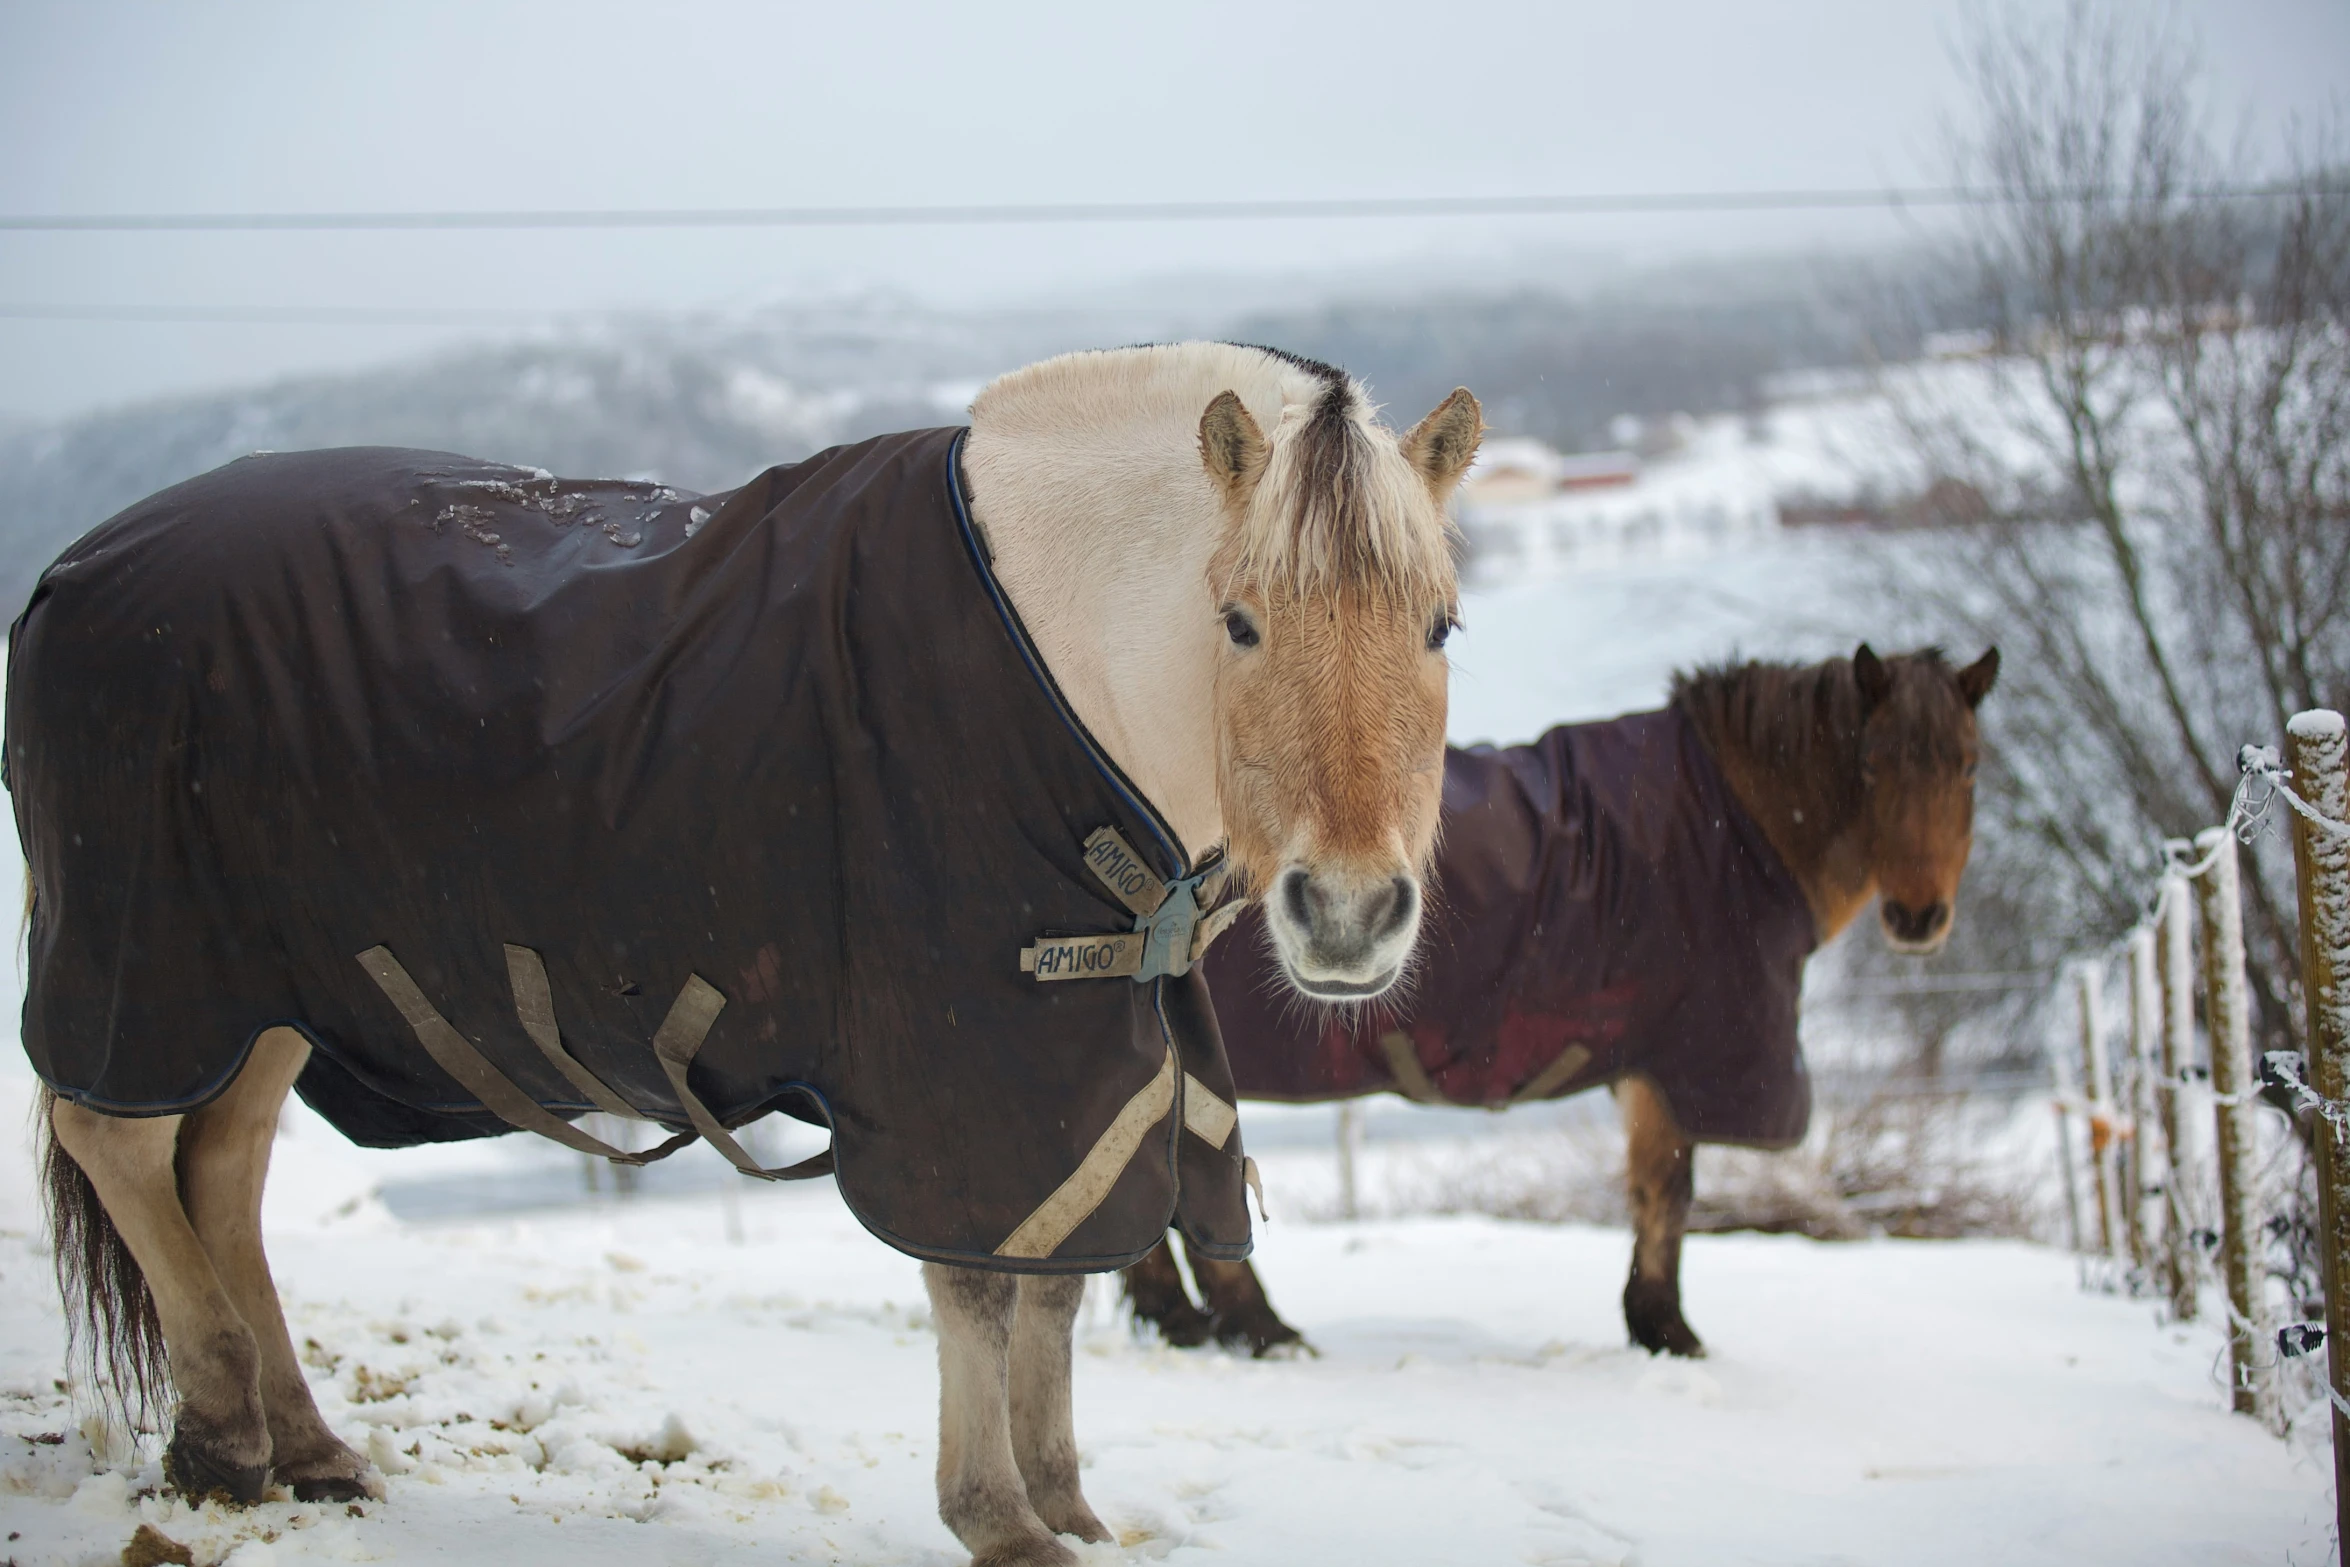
<point x="1858" y="773"/>
<point x="1241" y="584"/>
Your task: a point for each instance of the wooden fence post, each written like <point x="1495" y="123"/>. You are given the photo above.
<point x="2102" y="1120"/>
<point x="2064" y="1102"/>
<point x="2251" y="1340"/>
<point x="2145" y="1167"/>
<point x="1350" y="1141"/>
<point x="2314" y="751"/>
<point x="2181" y="1268"/>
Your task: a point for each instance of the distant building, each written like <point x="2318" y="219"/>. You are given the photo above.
<point x="1529" y="511"/>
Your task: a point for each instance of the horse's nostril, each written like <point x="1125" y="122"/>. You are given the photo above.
<point x="1401" y="902"/>
<point x="1293" y="897"/>
<point x="1910" y="924"/>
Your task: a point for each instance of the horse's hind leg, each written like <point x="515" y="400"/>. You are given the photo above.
<point x="981" y="1495"/>
<point x="1044" y="1431"/>
<point x="1155" y="1289"/>
<point x="1661" y="1179"/>
<point x="223" y="1162"/>
<point x="1238" y="1307"/>
<point x="220" y="1440"/>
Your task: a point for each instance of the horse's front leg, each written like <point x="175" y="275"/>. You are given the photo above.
<point x="1155" y="1288"/>
<point x="223" y="1163"/>
<point x="1044" y="1430"/>
<point x="981" y="1495"/>
<point x="1239" y="1307"/>
<point x="1661" y="1179"/>
<point x="220" y="1436"/>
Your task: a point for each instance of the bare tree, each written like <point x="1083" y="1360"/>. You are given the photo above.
<point x="2158" y="427"/>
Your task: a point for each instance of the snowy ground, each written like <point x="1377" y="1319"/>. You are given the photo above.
<point x="618" y="1383"/>
<point x="715" y="1372"/>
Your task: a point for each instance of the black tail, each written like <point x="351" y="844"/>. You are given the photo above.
<point x="111" y="1329"/>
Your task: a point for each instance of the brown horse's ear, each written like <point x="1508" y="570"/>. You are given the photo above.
<point x="1874" y="679"/>
<point x="1443" y="445"/>
<point x="1232" y="447"/>
<point x="1974" y="681"/>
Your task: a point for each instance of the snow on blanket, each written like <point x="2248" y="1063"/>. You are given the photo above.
<point x="619" y="1384"/>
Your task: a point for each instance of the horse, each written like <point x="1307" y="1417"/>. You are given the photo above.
<point x="1632" y="902"/>
<point x="316" y="757"/>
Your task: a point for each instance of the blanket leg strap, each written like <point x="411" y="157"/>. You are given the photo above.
<point x="1403" y="1065"/>
<point x="453" y="1054"/>
<point x="680" y="1036"/>
<point x="1561" y="1071"/>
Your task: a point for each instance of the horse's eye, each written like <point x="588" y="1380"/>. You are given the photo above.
<point x="1441" y="632"/>
<point x="1238" y="627"/>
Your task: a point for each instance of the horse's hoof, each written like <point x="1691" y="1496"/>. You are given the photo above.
<point x="334" y="1473"/>
<point x="200" y="1475"/>
<point x="1260" y="1333"/>
<point x="367" y="1487"/>
<point x="1183" y="1327"/>
<point x="1652" y="1314"/>
<point x="1033" y="1551"/>
<point x="1073" y="1517"/>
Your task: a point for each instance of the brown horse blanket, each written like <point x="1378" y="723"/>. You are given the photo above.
<point x="528" y="796"/>
<point x="1603" y="906"/>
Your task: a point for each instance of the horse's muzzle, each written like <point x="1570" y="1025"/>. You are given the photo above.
<point x="1913" y="929"/>
<point x="1343" y="938"/>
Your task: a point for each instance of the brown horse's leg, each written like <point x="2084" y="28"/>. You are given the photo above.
<point x="981" y="1495"/>
<point x="220" y="1438"/>
<point x="1154" y="1288"/>
<point x="223" y="1161"/>
<point x="1044" y="1431"/>
<point x="1661" y="1178"/>
<point x="1239" y="1307"/>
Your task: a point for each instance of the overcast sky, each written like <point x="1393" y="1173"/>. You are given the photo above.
<point x="564" y="103"/>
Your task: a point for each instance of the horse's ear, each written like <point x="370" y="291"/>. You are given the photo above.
<point x="1232" y="446"/>
<point x="1874" y="679"/>
<point x="1443" y="445"/>
<point x="1974" y="681"/>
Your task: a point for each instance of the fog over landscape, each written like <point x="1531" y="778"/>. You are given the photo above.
<point x="1771" y="417"/>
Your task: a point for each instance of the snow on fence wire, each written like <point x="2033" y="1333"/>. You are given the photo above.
<point x="2156" y="1221"/>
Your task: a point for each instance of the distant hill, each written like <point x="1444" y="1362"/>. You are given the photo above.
<point x="704" y="404"/>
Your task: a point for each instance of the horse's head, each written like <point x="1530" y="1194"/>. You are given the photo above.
<point x="1335" y="586"/>
<point x="1917" y="768"/>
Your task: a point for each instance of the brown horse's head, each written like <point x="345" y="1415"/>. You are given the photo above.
<point x="1335" y="586"/>
<point x="1917" y="768"/>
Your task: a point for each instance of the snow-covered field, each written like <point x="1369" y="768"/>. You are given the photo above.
<point x="620" y="1383"/>
<point x="714" y="1372"/>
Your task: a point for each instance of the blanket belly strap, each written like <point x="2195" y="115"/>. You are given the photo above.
<point x="675" y="1044"/>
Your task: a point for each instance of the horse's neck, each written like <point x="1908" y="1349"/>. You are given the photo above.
<point x="1812" y="810"/>
<point x="1107" y="562"/>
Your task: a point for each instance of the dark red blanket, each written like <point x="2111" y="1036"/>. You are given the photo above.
<point x="1603" y="906"/>
<point x="341" y="739"/>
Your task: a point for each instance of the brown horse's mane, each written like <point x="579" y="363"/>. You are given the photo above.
<point x="1803" y="717"/>
<point x="1788" y="740"/>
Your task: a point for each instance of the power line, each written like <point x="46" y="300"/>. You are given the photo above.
<point x="476" y="315"/>
<point x="1889" y="198"/>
